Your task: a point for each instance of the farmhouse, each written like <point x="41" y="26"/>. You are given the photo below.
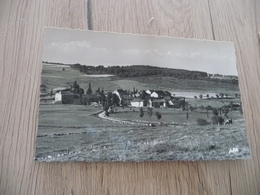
<point x="176" y="102"/>
<point x="137" y="103"/>
<point x="157" y="103"/>
<point x="126" y="100"/>
<point x="66" y="97"/>
<point x="88" y="99"/>
<point x="156" y="98"/>
<point x="124" y="97"/>
<point x="159" y="94"/>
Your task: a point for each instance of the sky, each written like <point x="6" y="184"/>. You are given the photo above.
<point x="109" y="49"/>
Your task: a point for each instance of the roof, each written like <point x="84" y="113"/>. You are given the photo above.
<point x="66" y="93"/>
<point x="122" y="92"/>
<point x="167" y="97"/>
<point x="127" y="97"/>
<point x="161" y="93"/>
<point x="91" y="96"/>
<point x="158" y="100"/>
<point x="60" y="89"/>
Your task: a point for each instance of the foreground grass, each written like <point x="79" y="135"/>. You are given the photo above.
<point x="74" y="134"/>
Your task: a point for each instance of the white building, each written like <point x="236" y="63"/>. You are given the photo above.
<point x="58" y="97"/>
<point x="137" y="103"/>
<point x="154" y="95"/>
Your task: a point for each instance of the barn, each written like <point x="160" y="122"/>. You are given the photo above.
<point x="66" y="97"/>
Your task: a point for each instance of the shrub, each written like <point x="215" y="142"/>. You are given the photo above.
<point x="217" y="120"/>
<point x="215" y="112"/>
<point x="158" y="115"/>
<point x="209" y="107"/>
<point x="202" y="122"/>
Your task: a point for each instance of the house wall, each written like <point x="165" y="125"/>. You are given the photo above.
<point x="68" y="99"/>
<point x="154" y="94"/>
<point x="58" y="96"/>
<point x="137" y="104"/>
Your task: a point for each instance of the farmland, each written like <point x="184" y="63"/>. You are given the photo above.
<point x="76" y="133"/>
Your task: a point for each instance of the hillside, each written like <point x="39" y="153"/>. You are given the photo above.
<point x="134" y="71"/>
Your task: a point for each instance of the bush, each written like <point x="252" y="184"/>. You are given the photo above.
<point x="158" y="115"/>
<point x="215" y="112"/>
<point x="209" y="107"/>
<point x="217" y="120"/>
<point x="202" y="122"/>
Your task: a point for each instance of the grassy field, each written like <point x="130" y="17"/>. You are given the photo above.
<point x="169" y="83"/>
<point x="169" y="115"/>
<point x="76" y="133"/>
<point x="71" y="132"/>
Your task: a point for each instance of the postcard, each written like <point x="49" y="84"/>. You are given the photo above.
<point x="125" y="97"/>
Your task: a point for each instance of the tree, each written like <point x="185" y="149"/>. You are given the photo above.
<point x="102" y="91"/>
<point x="158" y="115"/>
<point x="143" y="95"/>
<point x="98" y="91"/>
<point x="109" y="99"/>
<point x="226" y="111"/>
<point x="81" y="92"/>
<point x="207" y="95"/>
<point x="221" y="95"/>
<point x="195" y="97"/>
<point x="102" y="99"/>
<point x="201" y="96"/>
<point x="141" y="112"/>
<point x="75" y="85"/>
<point x="150" y="111"/>
<point x="89" y="91"/>
<point x="215" y="112"/>
<point x="63" y="69"/>
<point x="115" y="100"/>
<point x="231" y="106"/>
<point x="134" y="90"/>
<point x="217" y="96"/>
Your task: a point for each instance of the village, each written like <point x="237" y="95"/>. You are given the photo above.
<point x="149" y="99"/>
<point x="119" y="97"/>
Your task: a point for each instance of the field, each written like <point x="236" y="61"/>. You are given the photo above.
<point x="77" y="133"/>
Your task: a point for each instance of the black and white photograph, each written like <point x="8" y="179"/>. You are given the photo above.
<point x="125" y="97"/>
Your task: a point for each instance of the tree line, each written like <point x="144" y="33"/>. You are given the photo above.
<point x="139" y="70"/>
<point x="146" y="70"/>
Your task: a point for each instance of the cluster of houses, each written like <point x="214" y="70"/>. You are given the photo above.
<point x="121" y="97"/>
<point x="157" y="99"/>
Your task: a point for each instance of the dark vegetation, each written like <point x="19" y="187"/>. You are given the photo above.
<point x="146" y="70"/>
<point x="217" y="117"/>
<point x="202" y="122"/>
